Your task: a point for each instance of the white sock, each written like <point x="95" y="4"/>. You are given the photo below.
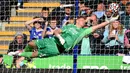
<point x="59" y="36"/>
<point x="61" y="39"/>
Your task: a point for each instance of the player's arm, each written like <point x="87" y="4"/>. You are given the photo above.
<point x="104" y="24"/>
<point x="99" y="26"/>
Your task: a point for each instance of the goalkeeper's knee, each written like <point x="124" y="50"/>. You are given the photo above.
<point x="28" y="49"/>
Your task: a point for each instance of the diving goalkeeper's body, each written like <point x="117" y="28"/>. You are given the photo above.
<point x="63" y="41"/>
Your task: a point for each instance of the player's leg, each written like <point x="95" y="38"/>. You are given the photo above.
<point x="30" y="47"/>
<point x="35" y="54"/>
<point x="46" y="47"/>
<point x="29" y="54"/>
<point x="57" y="34"/>
<point x="50" y="49"/>
<point x="30" y="51"/>
<point x="32" y="44"/>
<point x="26" y="54"/>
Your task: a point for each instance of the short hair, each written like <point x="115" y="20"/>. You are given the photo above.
<point x="45" y="8"/>
<point x="128" y="3"/>
<point x="81" y="17"/>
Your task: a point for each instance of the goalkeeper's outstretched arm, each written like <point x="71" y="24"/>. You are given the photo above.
<point x="104" y="23"/>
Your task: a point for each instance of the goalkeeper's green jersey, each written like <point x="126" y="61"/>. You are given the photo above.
<point x="71" y="32"/>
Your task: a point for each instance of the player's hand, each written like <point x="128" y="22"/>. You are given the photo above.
<point x="113" y="19"/>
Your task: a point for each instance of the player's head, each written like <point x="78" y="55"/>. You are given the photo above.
<point x="128" y="7"/>
<point x="80" y="21"/>
<point x="53" y="23"/>
<point x="45" y="12"/>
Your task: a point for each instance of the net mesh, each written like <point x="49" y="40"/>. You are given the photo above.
<point x="23" y="21"/>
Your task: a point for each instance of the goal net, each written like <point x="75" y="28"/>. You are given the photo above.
<point x="47" y="36"/>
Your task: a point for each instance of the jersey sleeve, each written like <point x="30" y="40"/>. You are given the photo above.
<point x="85" y="32"/>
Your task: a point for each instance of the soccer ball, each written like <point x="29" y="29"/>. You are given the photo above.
<point x="114" y="7"/>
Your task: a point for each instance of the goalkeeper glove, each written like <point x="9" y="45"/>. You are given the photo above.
<point x="113" y="19"/>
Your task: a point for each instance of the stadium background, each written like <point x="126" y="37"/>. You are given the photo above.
<point x="15" y="23"/>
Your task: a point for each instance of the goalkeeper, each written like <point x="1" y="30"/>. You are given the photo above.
<point x="64" y="39"/>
